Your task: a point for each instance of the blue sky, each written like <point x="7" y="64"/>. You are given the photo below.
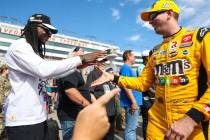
<point x="109" y="21"/>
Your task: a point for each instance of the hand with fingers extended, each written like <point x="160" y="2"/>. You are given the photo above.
<point x="181" y="129"/>
<point x="93" y="57"/>
<point x="105" y="77"/>
<point x="84" y="65"/>
<point x="92" y="122"/>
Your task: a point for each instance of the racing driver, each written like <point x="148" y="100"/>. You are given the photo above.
<point x="180" y="69"/>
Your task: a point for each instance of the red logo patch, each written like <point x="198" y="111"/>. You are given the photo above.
<point x="173" y="46"/>
<point x="187" y="38"/>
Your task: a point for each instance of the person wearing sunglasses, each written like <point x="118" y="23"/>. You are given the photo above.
<point x="25" y="114"/>
<point x="180" y="69"/>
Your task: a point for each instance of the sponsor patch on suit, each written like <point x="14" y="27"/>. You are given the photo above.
<point x="186" y="45"/>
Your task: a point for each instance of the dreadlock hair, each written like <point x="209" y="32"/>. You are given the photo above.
<point x="31" y="35"/>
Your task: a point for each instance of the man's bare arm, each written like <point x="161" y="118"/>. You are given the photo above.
<point x="74" y="95"/>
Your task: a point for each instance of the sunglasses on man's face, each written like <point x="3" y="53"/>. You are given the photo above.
<point x="155" y="14"/>
<point x="48" y="32"/>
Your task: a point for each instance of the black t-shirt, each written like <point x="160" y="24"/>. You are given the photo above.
<point x="67" y="109"/>
<point x="98" y="91"/>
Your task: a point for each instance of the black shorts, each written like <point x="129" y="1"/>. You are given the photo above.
<point x="28" y="132"/>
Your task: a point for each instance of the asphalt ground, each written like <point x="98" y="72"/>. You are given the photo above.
<point x="118" y="134"/>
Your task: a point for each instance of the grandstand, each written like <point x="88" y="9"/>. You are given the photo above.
<point x="58" y="45"/>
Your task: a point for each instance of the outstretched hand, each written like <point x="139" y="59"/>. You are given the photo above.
<point x="94" y="118"/>
<point x="85" y="65"/>
<point x="92" y="57"/>
<point x="105" y="77"/>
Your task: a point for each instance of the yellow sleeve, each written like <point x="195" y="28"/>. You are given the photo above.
<point x="141" y="83"/>
<point x="203" y="104"/>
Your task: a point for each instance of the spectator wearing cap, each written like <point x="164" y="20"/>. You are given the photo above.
<point x="110" y="70"/>
<point x="74" y="95"/>
<point x="120" y="113"/>
<point x="99" y="91"/>
<point x="25" y="114"/>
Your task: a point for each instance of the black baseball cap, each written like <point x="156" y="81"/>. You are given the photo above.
<point x="76" y="49"/>
<point x="44" y="20"/>
<point x="110" y="69"/>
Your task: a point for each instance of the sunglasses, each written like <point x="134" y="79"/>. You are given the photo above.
<point x="153" y="15"/>
<point x="47" y="30"/>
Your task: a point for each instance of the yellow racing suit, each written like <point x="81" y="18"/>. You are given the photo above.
<point x="174" y="68"/>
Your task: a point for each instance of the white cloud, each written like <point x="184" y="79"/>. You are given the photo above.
<point x="95" y="1"/>
<point x="193" y="3"/>
<point x="115" y="13"/>
<point x="134" y="1"/>
<point x="134" y="37"/>
<point x="187" y="12"/>
<point x="194" y="13"/>
<point x="200" y="20"/>
<point x="143" y="23"/>
<point x="147" y="25"/>
<point x="122" y="4"/>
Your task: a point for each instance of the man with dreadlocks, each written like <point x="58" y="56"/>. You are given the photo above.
<point x="25" y="115"/>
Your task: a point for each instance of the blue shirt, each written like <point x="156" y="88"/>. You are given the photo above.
<point x="140" y="69"/>
<point x="126" y="70"/>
